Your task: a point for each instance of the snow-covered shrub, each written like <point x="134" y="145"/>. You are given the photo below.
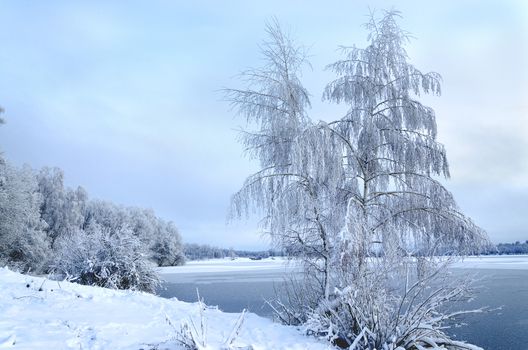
<point x="375" y="313"/>
<point x="298" y="297"/>
<point x="111" y="259"/>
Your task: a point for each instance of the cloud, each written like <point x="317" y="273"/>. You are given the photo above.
<point x="124" y="97"/>
<point x="493" y="152"/>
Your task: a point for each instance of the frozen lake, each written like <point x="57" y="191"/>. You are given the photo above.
<point x="232" y="285"/>
<point x="239" y="284"/>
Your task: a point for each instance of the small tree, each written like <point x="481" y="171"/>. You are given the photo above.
<point x="62" y="208"/>
<point x="167" y="249"/>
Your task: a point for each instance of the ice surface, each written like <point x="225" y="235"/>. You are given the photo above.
<point x="514" y="262"/>
<point x="517" y="262"/>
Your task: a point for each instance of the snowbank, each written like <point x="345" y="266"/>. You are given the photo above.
<point x="36" y="313"/>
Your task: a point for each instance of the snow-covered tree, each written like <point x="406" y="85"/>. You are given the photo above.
<point x="358" y="199"/>
<point x="116" y="246"/>
<point x="23" y="243"/>
<point x="297" y="187"/>
<point x="389" y="140"/>
<point x="167" y="247"/>
<point x="161" y="240"/>
<point x="98" y="242"/>
<point x="62" y="208"/>
<point x="106" y="214"/>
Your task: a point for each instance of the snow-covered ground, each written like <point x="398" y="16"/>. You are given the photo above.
<point x="70" y="316"/>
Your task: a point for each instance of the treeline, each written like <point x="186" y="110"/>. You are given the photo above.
<point x="508" y="248"/>
<point x="46" y="227"/>
<point x="195" y="251"/>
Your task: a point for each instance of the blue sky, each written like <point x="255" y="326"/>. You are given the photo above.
<point x="124" y="97"/>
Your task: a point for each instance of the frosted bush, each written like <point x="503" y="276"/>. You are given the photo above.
<point x="108" y="259"/>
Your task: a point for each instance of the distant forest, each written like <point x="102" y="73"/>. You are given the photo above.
<point x="193" y="251"/>
<point x="507" y="248"/>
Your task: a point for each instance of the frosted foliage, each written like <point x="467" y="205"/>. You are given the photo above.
<point x="364" y="315"/>
<point x="161" y="238"/>
<point x="100" y="256"/>
<point x="167" y="247"/>
<point x="274" y="100"/>
<point x="23" y="244"/>
<point x="42" y="222"/>
<point x="62" y="208"/>
<point x="106" y="214"/>
<point x="116" y="247"/>
<point x="397" y="208"/>
<point x="299" y="184"/>
<point x="389" y="139"/>
<point x="144" y="223"/>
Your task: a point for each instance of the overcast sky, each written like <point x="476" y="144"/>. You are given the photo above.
<point x="123" y="96"/>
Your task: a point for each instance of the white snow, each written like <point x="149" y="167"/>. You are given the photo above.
<point x="70" y="316"/>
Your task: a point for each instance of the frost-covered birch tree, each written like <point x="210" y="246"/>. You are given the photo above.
<point x="400" y="217"/>
<point x="296" y="188"/>
<point x="358" y="200"/>
<point x="391" y="149"/>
